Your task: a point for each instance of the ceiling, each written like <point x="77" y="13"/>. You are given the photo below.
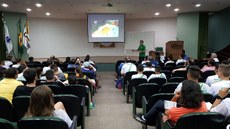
<point x="77" y="9"/>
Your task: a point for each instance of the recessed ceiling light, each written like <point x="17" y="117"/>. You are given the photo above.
<point x="5" y="5"/>
<point x="29" y="9"/>
<point x="38" y="5"/>
<point x="48" y="13"/>
<point x="157" y="13"/>
<point x="176" y="9"/>
<point x="198" y="5"/>
<point x="168" y="5"/>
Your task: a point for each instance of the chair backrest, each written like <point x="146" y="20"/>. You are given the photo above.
<point x="74" y="106"/>
<point x="147" y="90"/>
<point x="5" y="124"/>
<point x="6" y="110"/>
<point x="89" y="75"/>
<point x="208" y="97"/>
<point x="176" y="79"/>
<point x="170" y="68"/>
<point x="159" y="81"/>
<point x="21" y="104"/>
<point x="148" y="73"/>
<point x="169" y="87"/>
<point x="208" y="73"/>
<point x="167" y="73"/>
<point x="42" y="123"/>
<point x="134" y="83"/>
<point x="180" y="74"/>
<point x="128" y="76"/>
<point x="118" y="64"/>
<point x="55" y="88"/>
<point x="205" y="120"/>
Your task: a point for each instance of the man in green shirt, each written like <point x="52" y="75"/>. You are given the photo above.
<point x="141" y="49"/>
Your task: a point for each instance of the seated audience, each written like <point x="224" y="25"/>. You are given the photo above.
<point x="51" y="79"/>
<point x="42" y="104"/>
<point x="139" y="74"/>
<point x="209" y="67"/>
<point x="18" y="60"/>
<point x="180" y="60"/>
<point x="72" y="64"/>
<point x="149" y="67"/>
<point x="184" y="56"/>
<point x="214" y="78"/>
<point x="55" y="60"/>
<point x="193" y="74"/>
<point x="190" y="62"/>
<point x="67" y="60"/>
<point x="58" y="74"/>
<point x="9" y="84"/>
<point x="157" y="74"/>
<point x="30" y="76"/>
<point x="49" y="63"/>
<point x="223" y="74"/>
<point x="21" y="69"/>
<point x="87" y="59"/>
<point x="145" y="60"/>
<point x="8" y="62"/>
<point x="169" y="60"/>
<point x="128" y="66"/>
<point x="190" y="99"/>
<point x="214" y="57"/>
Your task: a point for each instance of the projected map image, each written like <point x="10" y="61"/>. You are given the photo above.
<point x="108" y="28"/>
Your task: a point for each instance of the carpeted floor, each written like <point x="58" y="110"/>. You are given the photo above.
<point x="111" y="111"/>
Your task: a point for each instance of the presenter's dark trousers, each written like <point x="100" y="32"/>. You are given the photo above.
<point x="152" y="114"/>
<point x="141" y="59"/>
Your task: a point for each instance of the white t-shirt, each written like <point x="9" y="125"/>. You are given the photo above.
<point x="169" y="61"/>
<point x="139" y="76"/>
<point x="223" y="108"/>
<point x="204" y="87"/>
<point x="212" y="79"/>
<point x="215" y="87"/>
<point x="62" y="115"/>
<point x="180" y="61"/>
<point x="149" y="69"/>
<point x="161" y="75"/>
<point x="127" y="67"/>
<point x="48" y="68"/>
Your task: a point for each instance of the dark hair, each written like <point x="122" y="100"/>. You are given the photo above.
<point x="72" y="79"/>
<point x="18" y="60"/>
<point x="157" y="69"/>
<point x="72" y="61"/>
<point x="191" y="94"/>
<point x="21" y="68"/>
<point x="30" y="75"/>
<point x="11" y="73"/>
<point x="49" y="62"/>
<point x="148" y="64"/>
<point x="49" y="74"/>
<point x="140" y="68"/>
<point x="212" y="62"/>
<point x="170" y="57"/>
<point x="54" y="67"/>
<point x="79" y="71"/>
<point x="39" y="71"/>
<point x="31" y="59"/>
<point x="194" y="72"/>
<point x="41" y="102"/>
<point x="87" y="58"/>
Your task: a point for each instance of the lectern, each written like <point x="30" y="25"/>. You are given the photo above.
<point x="174" y="48"/>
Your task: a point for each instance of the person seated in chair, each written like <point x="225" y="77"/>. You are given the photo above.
<point x="209" y="67"/>
<point x="58" y="74"/>
<point x="149" y="67"/>
<point x="139" y="74"/>
<point x="180" y="60"/>
<point x="49" y="63"/>
<point x="190" y="100"/>
<point x="214" y="78"/>
<point x="157" y="74"/>
<point x="30" y="76"/>
<point x="42" y="104"/>
<point x="52" y="79"/>
<point x="169" y="60"/>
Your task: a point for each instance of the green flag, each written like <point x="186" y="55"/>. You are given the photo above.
<point x="20" y="46"/>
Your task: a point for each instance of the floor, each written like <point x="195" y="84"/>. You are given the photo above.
<point x="111" y="110"/>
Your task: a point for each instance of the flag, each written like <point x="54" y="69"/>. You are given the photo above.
<point x="8" y="42"/>
<point x="20" y="47"/>
<point x="26" y="37"/>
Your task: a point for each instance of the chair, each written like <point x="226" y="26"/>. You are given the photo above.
<point x="89" y="75"/>
<point x="147" y="105"/>
<point x="171" y="64"/>
<point x="83" y="81"/>
<point x="74" y="107"/>
<point x="201" y="120"/>
<point x="176" y="79"/>
<point x="169" y="87"/>
<point x="148" y="73"/>
<point x="159" y="81"/>
<point x="180" y="74"/>
<point x="55" y="88"/>
<point x="80" y="91"/>
<point x="6" y="110"/>
<point x="118" y="64"/>
<point x="21" y="104"/>
<point x="207" y="74"/>
<point x="5" y="124"/>
<point x="126" y="79"/>
<point x="208" y="97"/>
<point x="144" y="89"/>
<point x="133" y="83"/>
<point x="167" y="73"/>
<point x="45" y="122"/>
<point x="170" y="68"/>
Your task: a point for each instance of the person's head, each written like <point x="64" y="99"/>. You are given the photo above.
<point x="193" y="73"/>
<point x="191" y="62"/>
<point x="191" y="94"/>
<point x="141" y="42"/>
<point x="72" y="79"/>
<point x="50" y="75"/>
<point x="223" y="71"/>
<point x="216" y="68"/>
<point x="157" y="69"/>
<point x="22" y="68"/>
<point x="86" y="64"/>
<point x="18" y="60"/>
<point x="11" y="73"/>
<point x="31" y="59"/>
<point x="39" y="71"/>
<point x="140" y="68"/>
<point x="79" y="72"/>
<point x="30" y="75"/>
<point x="54" y="67"/>
<point x="72" y="61"/>
<point x="9" y="58"/>
<point x="148" y="64"/>
<point x="211" y="62"/>
<point x="49" y="62"/>
<point x="213" y="55"/>
<point x="170" y="57"/>
<point x="183" y="51"/>
<point x="67" y="59"/>
<point x="41" y="102"/>
<point x="146" y="57"/>
<point x="87" y="58"/>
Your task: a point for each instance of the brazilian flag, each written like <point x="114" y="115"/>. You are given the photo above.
<point x="20" y="46"/>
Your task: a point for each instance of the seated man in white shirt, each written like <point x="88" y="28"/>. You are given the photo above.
<point x="149" y="67"/>
<point x="214" y="78"/>
<point x="127" y="67"/>
<point x="180" y="60"/>
<point x="193" y="74"/>
<point x="157" y="74"/>
<point x="139" y="74"/>
<point x="223" y="74"/>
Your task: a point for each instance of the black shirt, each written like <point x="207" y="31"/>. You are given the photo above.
<point x="23" y="91"/>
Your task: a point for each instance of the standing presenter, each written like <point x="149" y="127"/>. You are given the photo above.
<point x="141" y="49"/>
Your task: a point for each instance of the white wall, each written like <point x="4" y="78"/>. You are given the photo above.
<point x="68" y="37"/>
